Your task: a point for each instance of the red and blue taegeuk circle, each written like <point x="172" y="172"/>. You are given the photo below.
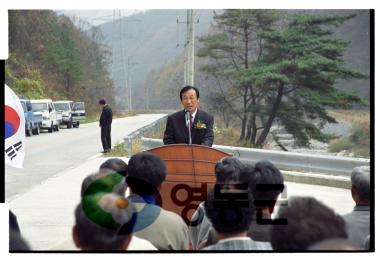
<point x="12" y="121"/>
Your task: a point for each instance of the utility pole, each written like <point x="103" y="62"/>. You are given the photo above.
<point x="123" y="57"/>
<point x="119" y="54"/>
<point x="146" y="98"/>
<point x="189" y="50"/>
<point x="129" y="74"/>
<point x="185" y="62"/>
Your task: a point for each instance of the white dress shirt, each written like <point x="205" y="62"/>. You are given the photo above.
<point x="192" y="117"/>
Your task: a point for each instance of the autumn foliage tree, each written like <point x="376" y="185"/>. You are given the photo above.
<point x="51" y="57"/>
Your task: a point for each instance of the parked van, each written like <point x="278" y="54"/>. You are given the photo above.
<point x="50" y="118"/>
<point x="72" y="113"/>
<point x="79" y="112"/>
<point x="33" y="121"/>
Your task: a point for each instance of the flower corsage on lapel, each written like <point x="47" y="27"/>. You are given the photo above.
<point x="200" y="125"/>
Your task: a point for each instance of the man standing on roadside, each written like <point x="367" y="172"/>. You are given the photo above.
<point x="105" y="124"/>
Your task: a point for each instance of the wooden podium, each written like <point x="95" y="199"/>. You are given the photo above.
<point x="190" y="174"/>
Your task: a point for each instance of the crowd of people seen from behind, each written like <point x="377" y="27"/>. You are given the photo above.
<point x="121" y="209"/>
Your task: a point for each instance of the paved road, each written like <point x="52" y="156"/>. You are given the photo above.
<point x="47" y="155"/>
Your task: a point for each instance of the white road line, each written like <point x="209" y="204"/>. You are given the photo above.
<point x="95" y="156"/>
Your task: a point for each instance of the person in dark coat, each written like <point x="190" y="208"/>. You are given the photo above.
<point x="105" y="122"/>
<point x="16" y="241"/>
<point x="13" y="223"/>
<point x="201" y="122"/>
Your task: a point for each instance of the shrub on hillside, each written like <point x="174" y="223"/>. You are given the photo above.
<point x="29" y="88"/>
<point x="360" y="134"/>
<point x="338" y="145"/>
<point x="358" y="142"/>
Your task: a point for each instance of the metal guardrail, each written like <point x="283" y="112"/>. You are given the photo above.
<point x="133" y="139"/>
<point x="325" y="164"/>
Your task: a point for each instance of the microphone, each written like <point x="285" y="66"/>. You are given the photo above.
<point x="188" y="115"/>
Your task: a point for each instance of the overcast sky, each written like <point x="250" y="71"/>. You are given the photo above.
<point x="96" y="17"/>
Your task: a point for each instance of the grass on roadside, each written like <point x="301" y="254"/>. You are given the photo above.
<point x="359" y="140"/>
<point x="95" y="117"/>
<point x="117" y="151"/>
<point x="226" y="136"/>
<point x="90" y="118"/>
<point x="345" y="144"/>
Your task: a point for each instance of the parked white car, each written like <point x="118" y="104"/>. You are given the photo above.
<point x="50" y="118"/>
<point x="72" y="113"/>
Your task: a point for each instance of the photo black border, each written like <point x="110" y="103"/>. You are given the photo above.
<point x="372" y="167"/>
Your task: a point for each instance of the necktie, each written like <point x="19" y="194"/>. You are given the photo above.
<point x="191" y="121"/>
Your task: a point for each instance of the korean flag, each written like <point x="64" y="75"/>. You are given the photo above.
<point x="14" y="129"/>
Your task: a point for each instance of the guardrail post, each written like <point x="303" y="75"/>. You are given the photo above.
<point x="138" y="134"/>
<point x="128" y="145"/>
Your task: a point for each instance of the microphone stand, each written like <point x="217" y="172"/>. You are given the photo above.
<point x="188" y="126"/>
<point x="188" y="115"/>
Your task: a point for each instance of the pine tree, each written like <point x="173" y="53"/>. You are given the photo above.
<point x="298" y="71"/>
<point x="235" y="47"/>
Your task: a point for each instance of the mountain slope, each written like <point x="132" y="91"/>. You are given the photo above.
<point x="154" y="39"/>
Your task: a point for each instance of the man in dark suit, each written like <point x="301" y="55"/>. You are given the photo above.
<point x="105" y="124"/>
<point x="201" y="123"/>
